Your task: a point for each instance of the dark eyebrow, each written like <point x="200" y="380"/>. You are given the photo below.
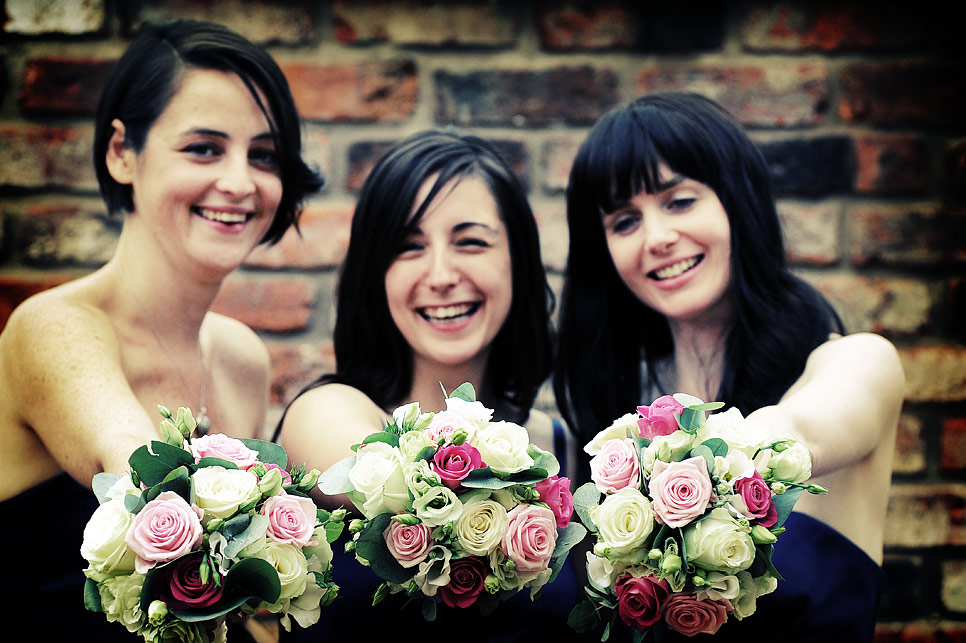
<point x="203" y="131"/>
<point x="663" y="186"/>
<point x="459" y="227"/>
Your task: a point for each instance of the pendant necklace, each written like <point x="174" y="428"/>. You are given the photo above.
<point x="204" y="422"/>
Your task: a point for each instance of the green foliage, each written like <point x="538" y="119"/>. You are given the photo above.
<point x="102" y="483"/>
<point x="583" y="617"/>
<point x="268" y="452"/>
<point x="690" y="420"/>
<point x="243" y="530"/>
<point x="465" y="392"/>
<point x="250" y="580"/>
<point x="372" y="546"/>
<point x="335" y="479"/>
<point x="586" y="497"/>
<point x="785" y="502"/>
<point x="92" y="596"/>
<point x="486" y="478"/>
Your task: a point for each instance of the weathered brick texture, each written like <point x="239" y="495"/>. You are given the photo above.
<point x="290" y="22"/>
<point x="37" y="156"/>
<point x="810" y="166"/>
<point x="67" y="233"/>
<point x="921" y="515"/>
<point x="35" y="17"/>
<point x="907" y="235"/>
<point x="935" y="373"/>
<point x="905" y="93"/>
<point x="294" y="365"/>
<point x="322" y="243"/>
<point x="893" y="307"/>
<point x="278" y="304"/>
<point x="891" y="164"/>
<point x="952" y="444"/>
<point x="356" y="92"/>
<point x="63" y="85"/>
<point x="910" y="453"/>
<point x="811" y="231"/>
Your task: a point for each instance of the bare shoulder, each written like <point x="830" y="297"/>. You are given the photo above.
<point x="237" y="345"/>
<point x="860" y="356"/>
<point x="332" y="404"/>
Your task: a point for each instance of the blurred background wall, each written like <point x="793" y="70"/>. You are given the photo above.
<point x="859" y="108"/>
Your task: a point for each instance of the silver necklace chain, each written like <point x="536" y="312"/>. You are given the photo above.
<point x="204" y="422"/>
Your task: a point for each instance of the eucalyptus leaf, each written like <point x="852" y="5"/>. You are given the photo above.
<point x="253" y="532"/>
<point x="429" y="609"/>
<point x="372" y="546"/>
<point x="389" y="438"/>
<point x="250" y="580"/>
<point x="690" y="420"/>
<point x="544" y="460"/>
<point x="704" y="452"/>
<point x="567" y="538"/>
<point x="133" y="503"/>
<point x="335" y="479"/>
<point x="719" y="447"/>
<point x="465" y="392"/>
<point x="215" y="462"/>
<point x="92" y="596"/>
<point x="426" y="453"/>
<point x="586" y="497"/>
<point x="268" y="452"/>
<point x="785" y="502"/>
<point x="707" y="406"/>
<point x="101" y="483"/>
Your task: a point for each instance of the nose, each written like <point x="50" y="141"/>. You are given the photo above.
<point x="442" y="273"/>
<point x="661" y="233"/>
<point x="236" y="178"/>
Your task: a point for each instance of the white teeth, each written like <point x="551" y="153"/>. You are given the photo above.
<point x="676" y="269"/>
<point x="440" y="313"/>
<point x="223" y="217"/>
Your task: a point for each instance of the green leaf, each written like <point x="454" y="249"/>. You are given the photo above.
<point x="583" y="617"/>
<point x="389" y="438"/>
<point x="215" y="462"/>
<point x="785" y="503"/>
<point x="465" y="392"/>
<point x="707" y="406"/>
<point x="134" y="504"/>
<point x="372" y="546"/>
<point x="268" y="452"/>
<point x="333" y="530"/>
<point x="152" y="468"/>
<point x="718" y="446"/>
<point x="253" y="531"/>
<point x="250" y="580"/>
<point x="567" y="538"/>
<point x="426" y="453"/>
<point x="92" y="596"/>
<point x="101" y="483"/>
<point x="586" y="497"/>
<point x="488" y="603"/>
<point x="543" y="460"/>
<point x="690" y="420"/>
<point x="178" y="481"/>
<point x="429" y="609"/>
<point x="335" y="479"/>
<point x="705" y="453"/>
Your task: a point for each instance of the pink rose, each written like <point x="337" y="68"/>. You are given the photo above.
<point x="754" y="500"/>
<point x="454" y="462"/>
<point x="165" y="529"/>
<point x="185" y="590"/>
<point x="291" y="519"/>
<point x="680" y="491"/>
<point x="219" y="445"/>
<point x="684" y="613"/>
<point x="658" y="418"/>
<point x="640" y="601"/>
<point x="555" y="492"/>
<point x="529" y="539"/>
<point x="445" y="423"/>
<point x="466" y="576"/>
<point x="409" y="544"/>
<point x="616" y="466"/>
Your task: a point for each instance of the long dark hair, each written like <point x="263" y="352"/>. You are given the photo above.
<point x="605" y="331"/>
<point x="371" y="354"/>
<point x="148" y="75"/>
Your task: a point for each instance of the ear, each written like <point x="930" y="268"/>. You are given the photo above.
<point x="120" y="159"/>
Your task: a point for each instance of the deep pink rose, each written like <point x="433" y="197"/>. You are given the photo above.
<point x="165" y="529"/>
<point x="680" y="491"/>
<point x="466" y="576"/>
<point x="530" y="537"/>
<point x="755" y="494"/>
<point x="445" y="423"/>
<point x="219" y="445"/>
<point x="555" y="492"/>
<point x="454" y="462"/>
<point x="684" y="613"/>
<point x="291" y="519"/>
<point x="658" y="418"/>
<point x="616" y="466"/>
<point x="640" y="601"/>
<point x="184" y="588"/>
<point x="409" y="544"/>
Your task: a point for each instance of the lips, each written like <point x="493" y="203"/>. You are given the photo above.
<point x="222" y="216"/>
<point x="448" y="314"/>
<point x="676" y="269"/>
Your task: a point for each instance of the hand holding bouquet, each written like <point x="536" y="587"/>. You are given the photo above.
<point x="204" y="527"/>
<point x="692" y="506"/>
<point x="458" y="509"/>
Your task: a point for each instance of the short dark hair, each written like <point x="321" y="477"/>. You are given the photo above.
<point x="148" y="75"/>
<point x="371" y="354"/>
<point x="605" y="330"/>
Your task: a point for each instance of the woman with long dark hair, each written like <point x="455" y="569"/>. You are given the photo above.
<point x="676" y="281"/>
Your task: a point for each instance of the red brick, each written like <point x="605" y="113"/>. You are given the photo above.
<point x="74" y="17"/>
<point x="63" y="85"/>
<point x="263" y="21"/>
<point x="515" y="98"/>
<point x="952" y="441"/>
<point x="322" y="244"/>
<point x="779" y="95"/>
<point x="15" y="288"/>
<point x="891" y="164"/>
<point x="582" y="26"/>
<point x="925" y="631"/>
<point x="910" y="454"/>
<point x="277" y="304"/>
<point x="954" y="169"/>
<point x="934" y="373"/>
<point x="296" y="364"/>
<point x="557" y="159"/>
<point x="33" y="156"/>
<point x="317" y="151"/>
<point x="383" y="91"/>
<point x="831" y="26"/>
<point x="811" y="231"/>
<point x="904" y="93"/>
<point x="895" y="307"/>
<point x="907" y="235"/>
<point x="66" y="233"/>
<point x="362" y="157"/>
<point x="409" y="23"/>
<point x="554" y="236"/>
<point x="923" y="515"/>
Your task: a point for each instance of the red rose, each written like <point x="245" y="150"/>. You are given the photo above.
<point x="756" y="496"/>
<point x="185" y="589"/>
<point x="640" y="601"/>
<point x="555" y="492"/>
<point x="685" y="614"/>
<point x="659" y="418"/>
<point x="454" y="462"/>
<point x="466" y="582"/>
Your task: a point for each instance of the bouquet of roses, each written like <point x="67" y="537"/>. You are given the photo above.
<point x="692" y="506"/>
<point x="458" y="509"/>
<point x="204" y="527"/>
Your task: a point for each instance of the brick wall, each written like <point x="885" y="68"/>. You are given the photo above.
<point x="859" y="108"/>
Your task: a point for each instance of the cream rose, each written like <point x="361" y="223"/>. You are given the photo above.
<point x="616" y="431"/>
<point x="322" y="550"/>
<point x="220" y="492"/>
<point x="291" y="565"/>
<point x="437" y="506"/>
<point x="412" y="442"/>
<point x="718" y="542"/>
<point x="732" y="427"/>
<point x="378" y="475"/>
<point x="794" y="464"/>
<point x="481" y="525"/>
<point x="625" y="520"/>
<point x="503" y="446"/>
<point x="103" y="546"/>
<point x="472" y="411"/>
<point x="420" y="478"/>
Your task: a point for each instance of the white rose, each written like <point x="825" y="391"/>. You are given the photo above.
<point x="472" y="411"/>
<point x="407" y="413"/>
<point x="420" y="478"/>
<point x="291" y="565"/>
<point x="503" y="447"/>
<point x="624" y="520"/>
<point x="321" y="550"/>
<point x="718" y="542"/>
<point x="434" y="571"/>
<point x="481" y="525"/>
<point x="103" y="546"/>
<point x="505" y="574"/>
<point x="412" y="442"/>
<point x="794" y="464"/>
<point x="603" y="571"/>
<point x="616" y="431"/>
<point x="437" y="506"/>
<point x="731" y="427"/>
<point x="377" y="474"/>
<point x="122" y="487"/>
<point x="220" y="492"/>
<point x="121" y="600"/>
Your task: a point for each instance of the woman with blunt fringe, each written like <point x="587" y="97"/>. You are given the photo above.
<point x="676" y="281"/>
<point x="197" y="145"/>
<point x="442" y="284"/>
